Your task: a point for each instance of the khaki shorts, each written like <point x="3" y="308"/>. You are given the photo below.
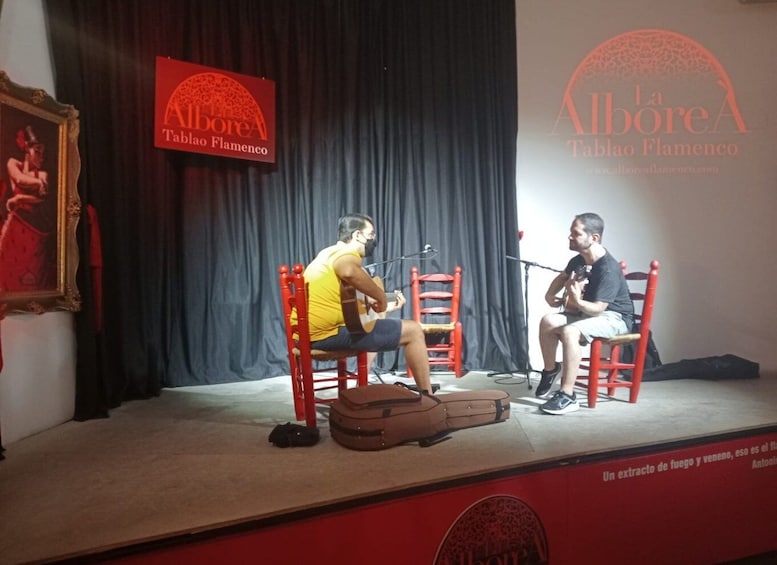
<point x="605" y="325"/>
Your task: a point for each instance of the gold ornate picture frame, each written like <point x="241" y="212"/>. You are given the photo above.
<point x="39" y="202"/>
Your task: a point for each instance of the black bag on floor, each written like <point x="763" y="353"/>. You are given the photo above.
<point x="711" y="368"/>
<point x="652" y="358"/>
<point x="293" y="435"/>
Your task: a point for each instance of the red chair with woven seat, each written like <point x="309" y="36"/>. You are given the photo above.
<point x="604" y="371"/>
<point x="310" y="374"/>
<point x="435" y="299"/>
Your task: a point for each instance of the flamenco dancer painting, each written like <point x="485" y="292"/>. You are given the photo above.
<point x="28" y="219"/>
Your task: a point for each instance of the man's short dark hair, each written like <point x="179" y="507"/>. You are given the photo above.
<point x="592" y="223"/>
<point x="350" y="223"/>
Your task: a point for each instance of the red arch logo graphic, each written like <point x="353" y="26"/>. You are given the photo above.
<point x="495" y="529"/>
<point x="649" y="54"/>
<point x="216" y="103"/>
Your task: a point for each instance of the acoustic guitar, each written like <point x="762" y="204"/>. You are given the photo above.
<point x="359" y="316"/>
<point x="580" y="274"/>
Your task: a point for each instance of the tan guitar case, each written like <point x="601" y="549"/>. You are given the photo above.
<point x="384" y="415"/>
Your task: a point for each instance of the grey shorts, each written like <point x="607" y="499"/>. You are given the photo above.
<point x="605" y="325"/>
<point x="383" y="337"/>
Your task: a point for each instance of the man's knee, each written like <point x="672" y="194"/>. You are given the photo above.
<point x="411" y="331"/>
<point x="551" y="322"/>
<point x="570" y="333"/>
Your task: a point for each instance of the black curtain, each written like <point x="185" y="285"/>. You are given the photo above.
<point x="402" y="109"/>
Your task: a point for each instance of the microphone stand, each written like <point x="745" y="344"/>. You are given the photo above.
<point x="428" y="249"/>
<point x="527" y="369"/>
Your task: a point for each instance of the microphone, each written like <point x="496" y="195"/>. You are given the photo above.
<point x="427" y="249"/>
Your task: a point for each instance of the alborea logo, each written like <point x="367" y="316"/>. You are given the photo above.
<point x="649" y="82"/>
<point x="499" y="529"/>
<point x="214" y="103"/>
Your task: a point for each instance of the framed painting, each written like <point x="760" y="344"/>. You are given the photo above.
<point x="39" y="202"/>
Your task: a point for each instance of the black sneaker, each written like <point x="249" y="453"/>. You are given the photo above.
<point x="547" y="378"/>
<point x="560" y="403"/>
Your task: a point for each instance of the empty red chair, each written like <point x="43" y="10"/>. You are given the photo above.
<point x="435" y="299"/>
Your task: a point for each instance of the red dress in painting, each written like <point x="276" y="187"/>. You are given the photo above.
<point x="28" y="251"/>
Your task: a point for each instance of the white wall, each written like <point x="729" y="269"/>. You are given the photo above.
<point x="37" y="383"/>
<point x="713" y="233"/>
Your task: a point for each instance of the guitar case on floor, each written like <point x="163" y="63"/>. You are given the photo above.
<point x="380" y="416"/>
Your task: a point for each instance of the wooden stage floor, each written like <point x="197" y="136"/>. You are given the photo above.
<point x="198" y="458"/>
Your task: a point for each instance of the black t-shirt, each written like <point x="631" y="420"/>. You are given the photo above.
<point x="605" y="284"/>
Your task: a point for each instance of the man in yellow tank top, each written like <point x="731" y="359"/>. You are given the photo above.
<point x="343" y="262"/>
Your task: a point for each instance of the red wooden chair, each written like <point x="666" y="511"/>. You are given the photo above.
<point x="435" y="299"/>
<point x="310" y="372"/>
<point x="605" y="371"/>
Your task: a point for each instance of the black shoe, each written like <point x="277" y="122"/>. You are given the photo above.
<point x="547" y="379"/>
<point x="560" y="403"/>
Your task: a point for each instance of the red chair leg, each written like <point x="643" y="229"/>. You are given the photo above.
<point x="612" y="374"/>
<point x="305" y="367"/>
<point x="593" y="372"/>
<point x="342" y="375"/>
<point x="296" y="389"/>
<point x="299" y="407"/>
<point x="362" y="370"/>
<point x="636" y="381"/>
<point x="309" y="399"/>
<point x="458" y="337"/>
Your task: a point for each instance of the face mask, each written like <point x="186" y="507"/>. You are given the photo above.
<point x="369" y="246"/>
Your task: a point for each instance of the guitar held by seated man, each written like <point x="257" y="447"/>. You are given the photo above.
<point x="359" y="315"/>
<point x="575" y="286"/>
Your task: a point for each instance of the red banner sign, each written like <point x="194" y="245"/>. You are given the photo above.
<point x="709" y="503"/>
<point x="205" y="110"/>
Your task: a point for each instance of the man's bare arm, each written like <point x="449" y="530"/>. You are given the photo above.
<point x="26" y="181"/>
<point x="555" y="287"/>
<point x="348" y="268"/>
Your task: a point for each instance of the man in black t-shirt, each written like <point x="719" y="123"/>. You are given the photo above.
<point x="595" y="303"/>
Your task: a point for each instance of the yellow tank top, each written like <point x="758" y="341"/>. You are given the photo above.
<point x="325" y="312"/>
